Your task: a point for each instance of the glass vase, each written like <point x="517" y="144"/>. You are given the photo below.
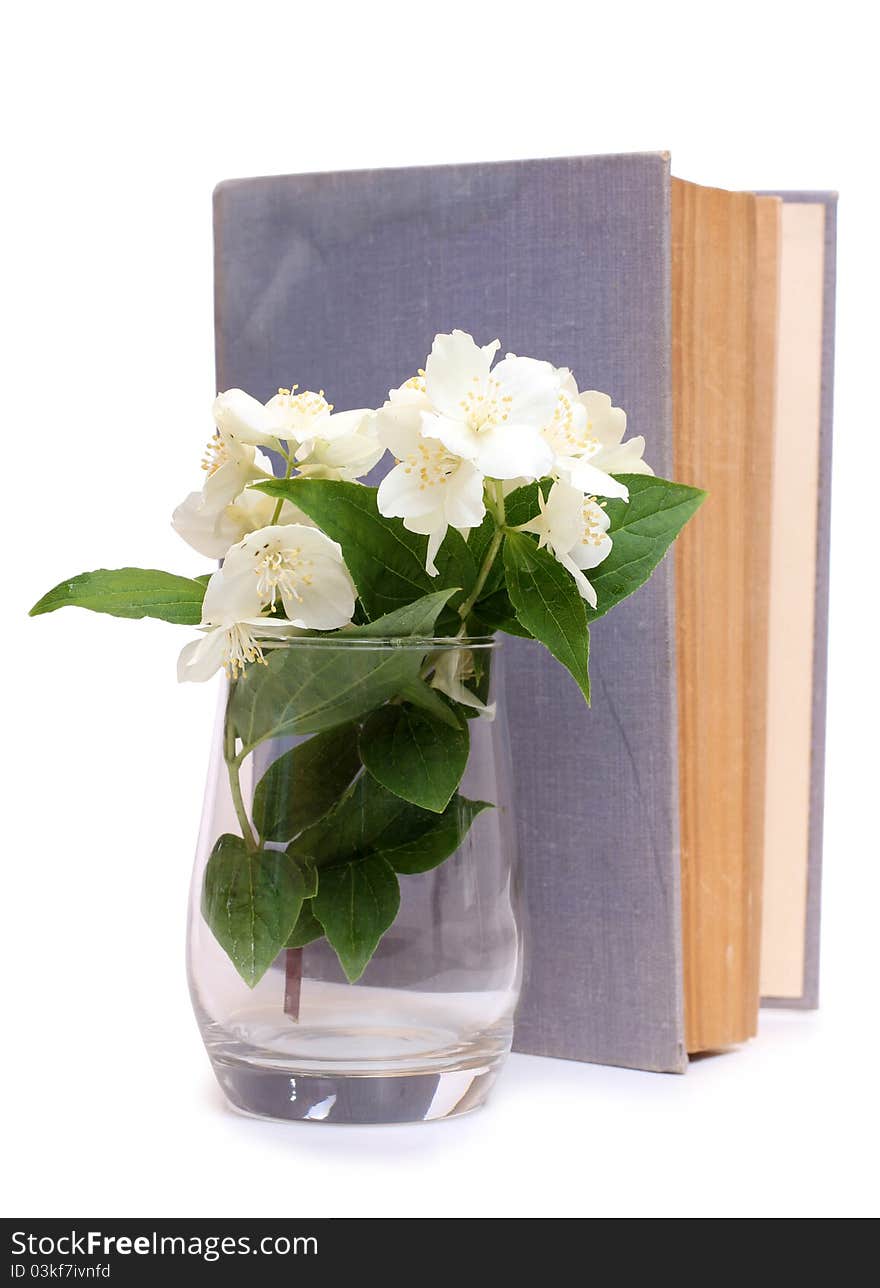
<point x="424" y="1030"/>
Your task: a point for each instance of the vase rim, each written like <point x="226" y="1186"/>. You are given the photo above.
<point x="417" y="643"/>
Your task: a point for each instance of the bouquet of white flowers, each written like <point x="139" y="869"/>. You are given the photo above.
<point x="514" y="503"/>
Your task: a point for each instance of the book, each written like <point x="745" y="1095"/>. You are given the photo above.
<point x="644" y="823"/>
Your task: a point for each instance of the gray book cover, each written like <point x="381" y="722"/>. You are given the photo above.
<point x="341" y="281"/>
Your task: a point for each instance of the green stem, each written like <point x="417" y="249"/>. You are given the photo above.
<point x="482" y="575"/>
<point x="233" y="766"/>
<point x="496" y="503"/>
<point x="496" y="508"/>
<point x="278" y="504"/>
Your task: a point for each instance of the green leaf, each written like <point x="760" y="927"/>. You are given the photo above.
<point x="642" y="530"/>
<point x="309" y="688"/>
<point x="129" y="592"/>
<point x="548" y="604"/>
<point x="386" y="562"/>
<point x="420" y="853"/>
<point x="307" y="928"/>
<point x="496" y="613"/>
<point x="431" y="700"/>
<point x="522" y="504"/>
<point x="417" y="619"/>
<point x="251" y="900"/>
<point x="356" y="904"/>
<point x="372" y="820"/>
<point x="414" y="756"/>
<point x="304" y="783"/>
<point x="308" y="872"/>
<point x="358" y="847"/>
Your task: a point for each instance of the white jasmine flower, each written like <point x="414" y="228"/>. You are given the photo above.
<point x="453" y="667"/>
<point x="430" y="488"/>
<point x="210" y="520"/>
<point x="490" y="417"/>
<point x="206" y="530"/>
<point x="298" y="565"/>
<point x="341" y="446"/>
<point x="244" y="420"/>
<point x="225" y="511"/>
<point x="344" y="446"/>
<point x="288" y="417"/>
<point x="229" y="466"/>
<point x="296" y="417"/>
<point x="234" y="632"/>
<point x="586" y="433"/>
<point x="607" y="424"/>
<point x="212" y="531"/>
<point x="413" y="392"/>
<point x="575" y="529"/>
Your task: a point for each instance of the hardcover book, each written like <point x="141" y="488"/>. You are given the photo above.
<point x="654" y="828"/>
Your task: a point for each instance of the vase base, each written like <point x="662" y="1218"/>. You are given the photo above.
<point x="290" y="1096"/>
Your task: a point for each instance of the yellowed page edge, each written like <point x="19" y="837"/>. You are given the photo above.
<point x="720" y="599"/>
<point x="792" y="600"/>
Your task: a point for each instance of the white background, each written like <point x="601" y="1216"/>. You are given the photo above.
<point x="119" y="119"/>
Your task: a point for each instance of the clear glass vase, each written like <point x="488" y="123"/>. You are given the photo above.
<point x="423" y="1031"/>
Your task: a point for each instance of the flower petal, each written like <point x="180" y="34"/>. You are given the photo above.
<point x="531" y="386"/>
<point x="201" y="658"/>
<point x="401" y="494"/>
<point x="455" y="367"/>
<point x="243" y="419"/>
<point x="624" y="459"/>
<point x="295" y="416"/>
<point x="327" y="602"/>
<point x="605" y="422"/>
<point x="399" y="427"/>
<point x="508" y="451"/>
<point x="435" y="541"/>
<point x="465" y="507"/>
<point x="589" y="554"/>
<point x="455" y="435"/>
<point x="566" y="431"/>
<point x="559" y="523"/>
<point x="230" y="597"/>
<point x="209" y="533"/>
<point x="342" y="424"/>
<point x="351" y="452"/>
<point x="595" y="482"/>
<point x="254" y="510"/>
<point x="567" y="382"/>
<point x="227" y="482"/>
<point x="425" y="524"/>
<point x="433" y="526"/>
<point x="447" y="678"/>
<point x="309" y="539"/>
<point x="312" y="581"/>
<point x="411" y="391"/>
<point x="586" y="590"/>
